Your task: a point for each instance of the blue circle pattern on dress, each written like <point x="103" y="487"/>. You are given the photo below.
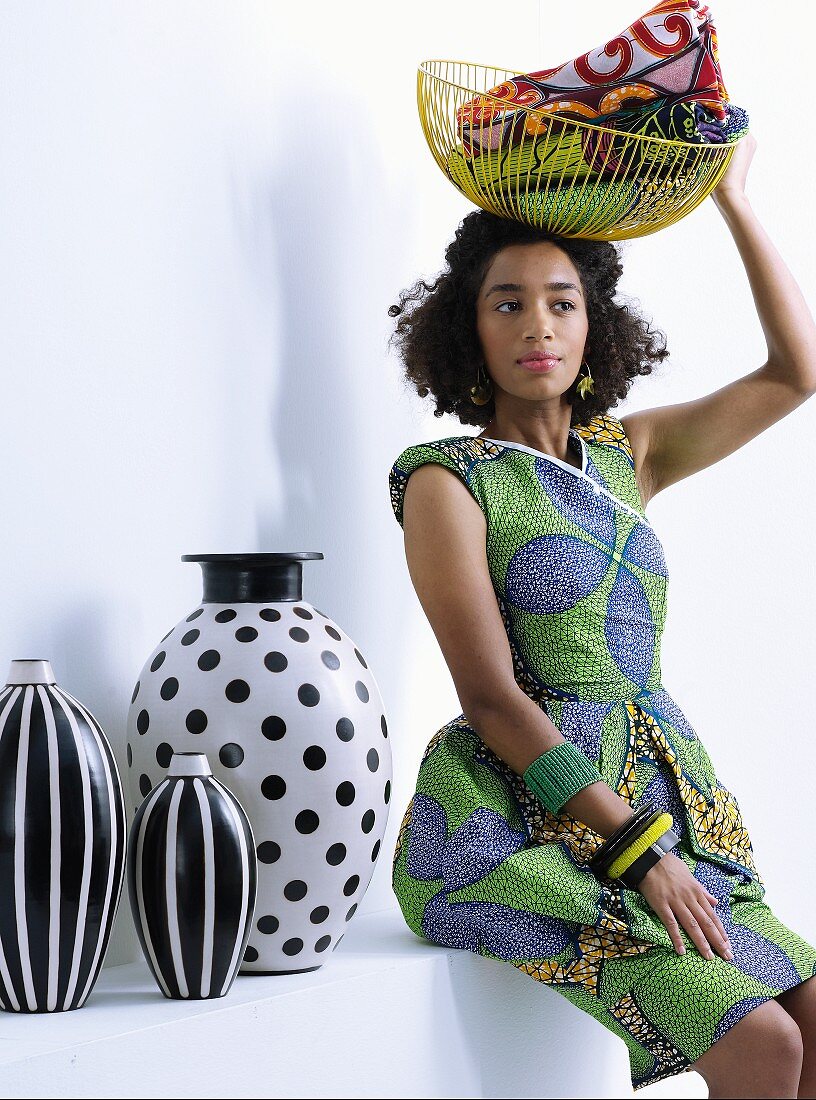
<point x="477" y="847"/>
<point x="643" y="548"/>
<point x="574" y="496"/>
<point x="582" y="723"/>
<point x="504" y="931"/>
<point x="570" y="567"/>
<point x="629" y="628"/>
<point x="596" y="475"/>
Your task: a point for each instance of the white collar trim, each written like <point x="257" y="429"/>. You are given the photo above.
<point x="572" y="469"/>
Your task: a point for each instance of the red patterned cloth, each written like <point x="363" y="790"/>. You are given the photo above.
<point x="660" y="77"/>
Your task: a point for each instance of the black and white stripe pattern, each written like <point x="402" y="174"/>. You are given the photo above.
<point x="192" y="880"/>
<point x="62" y="844"/>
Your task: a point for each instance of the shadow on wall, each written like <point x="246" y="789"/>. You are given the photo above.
<point x="317" y="430"/>
<point x="312" y="235"/>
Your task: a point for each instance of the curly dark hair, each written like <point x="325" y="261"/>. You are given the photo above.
<point x="439" y="343"/>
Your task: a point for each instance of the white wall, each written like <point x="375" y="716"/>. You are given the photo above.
<point x="207" y="209"/>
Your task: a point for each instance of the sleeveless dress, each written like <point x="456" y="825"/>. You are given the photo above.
<point x="481" y="865"/>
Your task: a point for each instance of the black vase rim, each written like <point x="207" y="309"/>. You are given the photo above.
<point x="255" y="559"/>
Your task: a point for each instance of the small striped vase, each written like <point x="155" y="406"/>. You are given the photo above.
<point x="192" y="873"/>
<point x="62" y="844"/>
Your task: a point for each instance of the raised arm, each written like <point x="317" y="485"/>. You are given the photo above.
<point x="672" y="442"/>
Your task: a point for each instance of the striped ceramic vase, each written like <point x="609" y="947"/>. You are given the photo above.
<point x="62" y="844"/>
<point x="192" y="874"/>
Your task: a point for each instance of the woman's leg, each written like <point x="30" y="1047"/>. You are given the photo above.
<point x="800" y="1003"/>
<point x="760" y="1056"/>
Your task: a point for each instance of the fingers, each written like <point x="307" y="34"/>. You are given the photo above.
<point x="712" y="929"/>
<point x="704" y="930"/>
<point x="718" y="924"/>
<point x="695" y="931"/>
<point x="673" y="928"/>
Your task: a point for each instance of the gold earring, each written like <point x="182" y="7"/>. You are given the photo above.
<point x="481" y="393"/>
<point x="587" y="383"/>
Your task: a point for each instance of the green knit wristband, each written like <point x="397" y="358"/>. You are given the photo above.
<point x="559" y="773"/>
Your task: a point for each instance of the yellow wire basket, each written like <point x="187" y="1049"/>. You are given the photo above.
<point x="569" y="177"/>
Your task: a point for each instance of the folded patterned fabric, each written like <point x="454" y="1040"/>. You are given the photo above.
<point x="660" y="77"/>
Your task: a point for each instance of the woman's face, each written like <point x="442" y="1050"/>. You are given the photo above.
<point x="521" y="309"/>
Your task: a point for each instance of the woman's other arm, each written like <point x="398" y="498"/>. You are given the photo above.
<point x="673" y="441"/>
<point x="445" y="534"/>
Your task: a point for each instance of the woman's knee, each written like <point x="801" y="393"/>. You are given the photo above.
<point x="761" y="1055"/>
<point x="786" y="1040"/>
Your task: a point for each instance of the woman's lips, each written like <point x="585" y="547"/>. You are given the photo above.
<point x="539" y="366"/>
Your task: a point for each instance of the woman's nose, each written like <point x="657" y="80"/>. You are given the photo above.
<point x="538" y="324"/>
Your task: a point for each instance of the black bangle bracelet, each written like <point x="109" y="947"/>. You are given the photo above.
<point x="633" y="874"/>
<point x="623" y="833"/>
<point x="607" y="854"/>
<point x="644" y="862"/>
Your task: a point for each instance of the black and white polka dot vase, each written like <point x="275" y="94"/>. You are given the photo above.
<point x="286" y="708"/>
<point x="62" y="840"/>
<point x="192" y="875"/>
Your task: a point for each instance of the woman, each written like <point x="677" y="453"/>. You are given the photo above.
<point x="545" y="586"/>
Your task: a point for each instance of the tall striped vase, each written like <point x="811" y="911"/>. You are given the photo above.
<point x="62" y="844"/>
<point x="192" y="873"/>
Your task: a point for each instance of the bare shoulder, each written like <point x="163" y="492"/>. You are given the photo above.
<point x="434" y="491"/>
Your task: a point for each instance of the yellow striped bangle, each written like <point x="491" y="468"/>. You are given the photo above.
<point x="639" y="846"/>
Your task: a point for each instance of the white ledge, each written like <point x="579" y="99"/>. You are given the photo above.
<point x="387" y="1015"/>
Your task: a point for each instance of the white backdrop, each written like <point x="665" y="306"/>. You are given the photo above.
<point x="207" y="209"/>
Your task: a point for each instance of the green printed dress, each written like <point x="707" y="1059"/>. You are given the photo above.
<point x="480" y="864"/>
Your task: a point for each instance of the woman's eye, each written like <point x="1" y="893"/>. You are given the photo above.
<point x="565" y="302"/>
